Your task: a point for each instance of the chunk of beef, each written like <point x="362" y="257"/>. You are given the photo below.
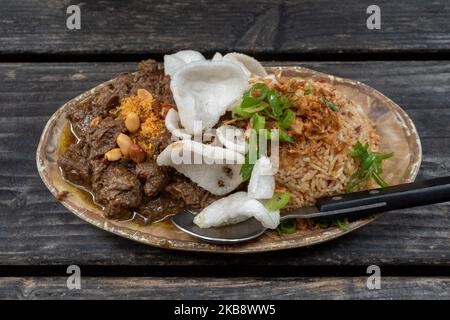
<point x="162" y="141"/>
<point x="153" y="176"/>
<point x="75" y="164"/>
<point x="151" y="77"/>
<point x="81" y="115"/>
<point x="98" y="166"/>
<point x="118" y="191"/>
<point x="109" y="96"/>
<point x="102" y="137"/>
<point x="183" y="189"/>
<point x="116" y="186"/>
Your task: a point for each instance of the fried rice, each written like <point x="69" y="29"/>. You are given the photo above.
<point x="319" y="162"/>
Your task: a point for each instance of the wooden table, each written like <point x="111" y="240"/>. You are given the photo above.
<point x="43" y="64"/>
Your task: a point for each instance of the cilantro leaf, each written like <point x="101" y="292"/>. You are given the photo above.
<point x="370" y="166"/>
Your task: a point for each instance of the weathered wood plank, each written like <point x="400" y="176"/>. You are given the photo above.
<point x="263" y="27"/>
<point x="36" y="230"/>
<point x="225" y="288"/>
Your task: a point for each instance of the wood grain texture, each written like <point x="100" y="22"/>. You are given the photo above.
<point x="225" y="288"/>
<point x="36" y="230"/>
<point x="262" y="27"/>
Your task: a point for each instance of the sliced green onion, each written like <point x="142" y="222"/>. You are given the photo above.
<point x="262" y="88"/>
<point x="250" y="157"/>
<point x="343" y="224"/>
<point x="274" y="102"/>
<point x="330" y="104"/>
<point x="278" y="201"/>
<point x="237" y="112"/>
<point x="249" y="102"/>
<point x="266" y="104"/>
<point x="286" y="101"/>
<point x="256" y="108"/>
<point x="284" y="137"/>
<point x="246" y="169"/>
<point x="269" y="114"/>
<point x="287" y="226"/>
<point x="309" y="90"/>
<point x="287" y="119"/>
<point x="258" y="122"/>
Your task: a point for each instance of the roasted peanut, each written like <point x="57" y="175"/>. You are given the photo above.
<point x="113" y="154"/>
<point x="132" y="122"/>
<point x="144" y="94"/>
<point x="124" y="142"/>
<point x="136" y="153"/>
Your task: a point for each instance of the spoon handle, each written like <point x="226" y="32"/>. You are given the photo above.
<point x="365" y="203"/>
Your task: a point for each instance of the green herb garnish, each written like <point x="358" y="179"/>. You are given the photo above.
<point x="309" y="90"/>
<point x="286" y="101"/>
<point x="274" y="101"/>
<point x="238" y="113"/>
<point x="278" y="201"/>
<point x="330" y="104"/>
<point x="260" y="89"/>
<point x="287" y="226"/>
<point x="250" y="157"/>
<point x="258" y="122"/>
<point x="342" y="224"/>
<point x="270" y="103"/>
<point x="287" y="119"/>
<point x="370" y="166"/>
<point x="249" y="101"/>
<point x="246" y="169"/>
<point x="256" y="107"/>
<point x="258" y="104"/>
<point x="284" y="137"/>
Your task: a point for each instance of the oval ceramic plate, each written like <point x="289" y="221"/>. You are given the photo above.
<point x="397" y="133"/>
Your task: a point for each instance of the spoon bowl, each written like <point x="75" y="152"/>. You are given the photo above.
<point x="244" y="231"/>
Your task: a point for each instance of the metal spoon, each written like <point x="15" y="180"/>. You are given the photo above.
<point x="350" y="205"/>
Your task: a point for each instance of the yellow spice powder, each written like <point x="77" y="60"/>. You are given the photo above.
<point x="152" y="126"/>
